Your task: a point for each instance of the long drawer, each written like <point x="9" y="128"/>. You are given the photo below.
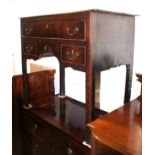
<point x="59" y="29"/>
<point x="35" y="48"/>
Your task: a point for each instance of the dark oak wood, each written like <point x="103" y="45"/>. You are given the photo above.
<point x="89" y="41"/>
<point x="119" y="132"/>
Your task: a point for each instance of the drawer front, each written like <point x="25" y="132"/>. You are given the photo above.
<point x="35" y="147"/>
<point x="59" y="141"/>
<point x="74" y="29"/>
<point x="77" y="149"/>
<point x="73" y="54"/>
<point x="36" y="48"/>
<point x="39" y="130"/>
<point x="63" y="29"/>
<point x="30" y="48"/>
<point x="35" y="29"/>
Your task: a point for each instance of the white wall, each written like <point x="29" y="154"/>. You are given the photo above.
<point x="12" y="10"/>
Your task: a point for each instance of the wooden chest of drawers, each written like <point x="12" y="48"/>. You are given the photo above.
<point x="42" y="138"/>
<point x="48" y="128"/>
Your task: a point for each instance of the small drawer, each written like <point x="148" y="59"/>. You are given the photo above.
<point x="30" y="48"/>
<point x="35" y="147"/>
<point x="73" y="54"/>
<point x="36" y="48"/>
<point x="62" y="29"/>
<point x="46" y="48"/>
<point x="38" y="130"/>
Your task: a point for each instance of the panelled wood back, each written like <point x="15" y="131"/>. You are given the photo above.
<point x="41" y="85"/>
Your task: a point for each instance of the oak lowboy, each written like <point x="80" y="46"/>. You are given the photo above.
<point x="90" y="41"/>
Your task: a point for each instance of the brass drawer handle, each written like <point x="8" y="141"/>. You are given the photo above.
<point x="35" y="127"/>
<point x="68" y="53"/>
<point x="28" y="30"/>
<point x="77" y="54"/>
<point x="47" y="26"/>
<point x="29" y="48"/>
<point x="72" y="32"/>
<point x="69" y="151"/>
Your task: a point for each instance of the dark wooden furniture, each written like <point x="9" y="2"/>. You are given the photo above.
<point x="42" y="85"/>
<point x="89" y="41"/>
<point x="53" y="126"/>
<point x="55" y="129"/>
<point x="119" y="132"/>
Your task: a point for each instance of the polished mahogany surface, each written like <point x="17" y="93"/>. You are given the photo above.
<point x="66" y="114"/>
<point x="120" y="130"/>
<point x="63" y="114"/>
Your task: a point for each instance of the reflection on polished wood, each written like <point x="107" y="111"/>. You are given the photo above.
<point x="119" y="132"/>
